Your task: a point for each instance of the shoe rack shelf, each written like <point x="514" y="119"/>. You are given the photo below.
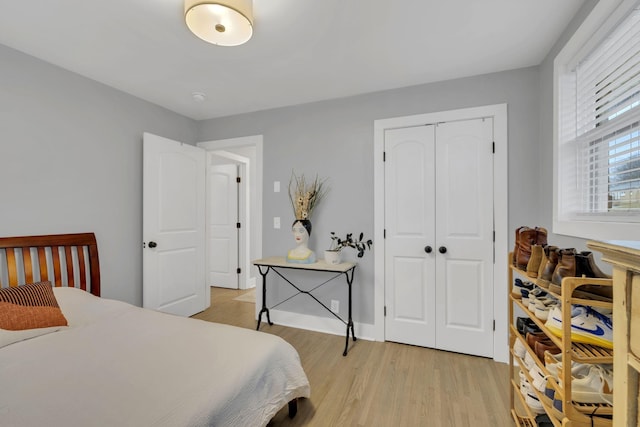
<point x="573" y="414"/>
<point x="624" y="256"/>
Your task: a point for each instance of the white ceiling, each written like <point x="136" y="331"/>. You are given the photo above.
<point x="301" y="51"/>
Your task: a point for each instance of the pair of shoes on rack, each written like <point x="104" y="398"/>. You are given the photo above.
<point x="530" y="397"/>
<point x="540" y="344"/>
<point x="579" y="264"/>
<point x="518" y="286"/>
<point x="525" y="325"/>
<point x="524" y="239"/>
<point x="519" y="349"/>
<point x="588" y="326"/>
<point x="548" y="265"/>
<point x="590" y="383"/>
<point x="543" y="420"/>
<point x="529" y="297"/>
<point x="541" y="306"/>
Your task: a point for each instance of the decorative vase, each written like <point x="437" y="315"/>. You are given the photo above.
<point x="332" y="257"/>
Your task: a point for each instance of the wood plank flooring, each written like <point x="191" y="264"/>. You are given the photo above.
<point x="381" y="383"/>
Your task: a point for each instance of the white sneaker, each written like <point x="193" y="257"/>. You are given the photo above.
<point x="554" y="320"/>
<point x="543" y="306"/>
<point x="591" y="327"/>
<point x="528" y="361"/>
<point x="587" y="326"/>
<point x="594" y="387"/>
<point x="577" y="369"/>
<point x="531" y="399"/>
<point x="538" y="378"/>
<point x="519" y="348"/>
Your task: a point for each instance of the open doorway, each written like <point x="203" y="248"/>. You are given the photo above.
<point x="245" y="154"/>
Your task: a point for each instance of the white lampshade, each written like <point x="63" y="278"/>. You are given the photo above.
<point x="225" y="23"/>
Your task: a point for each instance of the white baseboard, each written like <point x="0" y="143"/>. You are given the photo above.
<point x="319" y="324"/>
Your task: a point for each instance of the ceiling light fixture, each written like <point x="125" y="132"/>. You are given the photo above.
<point x="225" y="23"/>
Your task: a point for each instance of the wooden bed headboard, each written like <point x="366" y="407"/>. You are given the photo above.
<point x="63" y="259"/>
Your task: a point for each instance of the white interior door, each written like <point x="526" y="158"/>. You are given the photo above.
<point x="464" y="226"/>
<point x="222" y="220"/>
<point x="439" y="236"/>
<point x="173" y="227"/>
<point x="409" y="227"/>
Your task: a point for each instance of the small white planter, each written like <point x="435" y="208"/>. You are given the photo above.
<point x="332" y="257"/>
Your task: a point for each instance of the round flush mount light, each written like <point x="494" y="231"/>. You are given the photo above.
<point x="224" y="23"/>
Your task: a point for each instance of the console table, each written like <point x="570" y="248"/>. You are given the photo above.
<point x="277" y="264"/>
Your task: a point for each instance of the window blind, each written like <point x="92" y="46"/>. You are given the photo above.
<point x="604" y="142"/>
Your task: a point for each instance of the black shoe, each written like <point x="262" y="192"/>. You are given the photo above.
<point x="526" y="325"/>
<point x="543" y="420"/>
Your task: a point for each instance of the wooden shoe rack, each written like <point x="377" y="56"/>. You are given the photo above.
<point x="573" y="414"/>
<point x="625" y="259"/>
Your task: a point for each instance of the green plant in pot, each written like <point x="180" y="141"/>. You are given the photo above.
<point x="332" y="255"/>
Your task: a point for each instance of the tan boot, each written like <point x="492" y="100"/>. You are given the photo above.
<point x="534" y="261"/>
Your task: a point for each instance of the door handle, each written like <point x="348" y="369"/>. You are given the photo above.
<point x="428" y="249"/>
<point x="152" y="244"/>
<point x="441" y="249"/>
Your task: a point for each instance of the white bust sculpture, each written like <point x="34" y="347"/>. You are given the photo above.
<point x="301" y="254"/>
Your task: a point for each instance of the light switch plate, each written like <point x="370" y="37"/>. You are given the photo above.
<point x="276" y="222"/>
<point x="276" y="186"/>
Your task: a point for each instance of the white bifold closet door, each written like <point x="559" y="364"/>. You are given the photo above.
<point x="439" y="236"/>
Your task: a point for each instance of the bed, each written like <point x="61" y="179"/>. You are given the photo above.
<point x="114" y="364"/>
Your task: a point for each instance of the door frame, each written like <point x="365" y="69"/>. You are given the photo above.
<point x="253" y="175"/>
<point x="500" y="208"/>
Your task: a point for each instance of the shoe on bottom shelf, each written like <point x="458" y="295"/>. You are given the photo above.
<point x="531" y="399"/>
<point x="543" y="420"/>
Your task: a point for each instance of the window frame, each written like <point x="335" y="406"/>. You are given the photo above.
<point x="612" y="226"/>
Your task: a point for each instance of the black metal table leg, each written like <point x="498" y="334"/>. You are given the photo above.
<point x="264" y="297"/>
<point x="350" y="321"/>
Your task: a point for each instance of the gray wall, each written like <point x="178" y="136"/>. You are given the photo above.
<point x="545" y="175"/>
<point x="335" y="139"/>
<point x="71" y="156"/>
<point x="71" y="161"/>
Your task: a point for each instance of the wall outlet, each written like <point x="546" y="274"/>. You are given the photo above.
<point x="335" y="305"/>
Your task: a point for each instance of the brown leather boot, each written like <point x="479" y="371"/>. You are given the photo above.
<point x="517" y="245"/>
<point x="541" y="236"/>
<point x="528" y="236"/>
<point x="534" y="260"/>
<point x="566" y="266"/>
<point x="553" y="255"/>
<point x="586" y="266"/>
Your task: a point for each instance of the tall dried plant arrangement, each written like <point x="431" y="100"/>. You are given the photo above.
<point x="305" y="197"/>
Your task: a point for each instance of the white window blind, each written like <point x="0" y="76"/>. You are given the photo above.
<point x="599" y="138"/>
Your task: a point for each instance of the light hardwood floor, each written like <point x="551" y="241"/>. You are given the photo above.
<point x="381" y="383"/>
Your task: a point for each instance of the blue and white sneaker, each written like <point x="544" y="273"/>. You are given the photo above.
<point x="587" y="326"/>
<point x="518" y="285"/>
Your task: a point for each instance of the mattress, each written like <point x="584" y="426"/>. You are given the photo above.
<point x="121" y="365"/>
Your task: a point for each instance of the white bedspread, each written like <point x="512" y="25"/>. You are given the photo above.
<point x="120" y="365"/>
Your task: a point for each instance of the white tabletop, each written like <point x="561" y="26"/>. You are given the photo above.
<point x="320" y="265"/>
